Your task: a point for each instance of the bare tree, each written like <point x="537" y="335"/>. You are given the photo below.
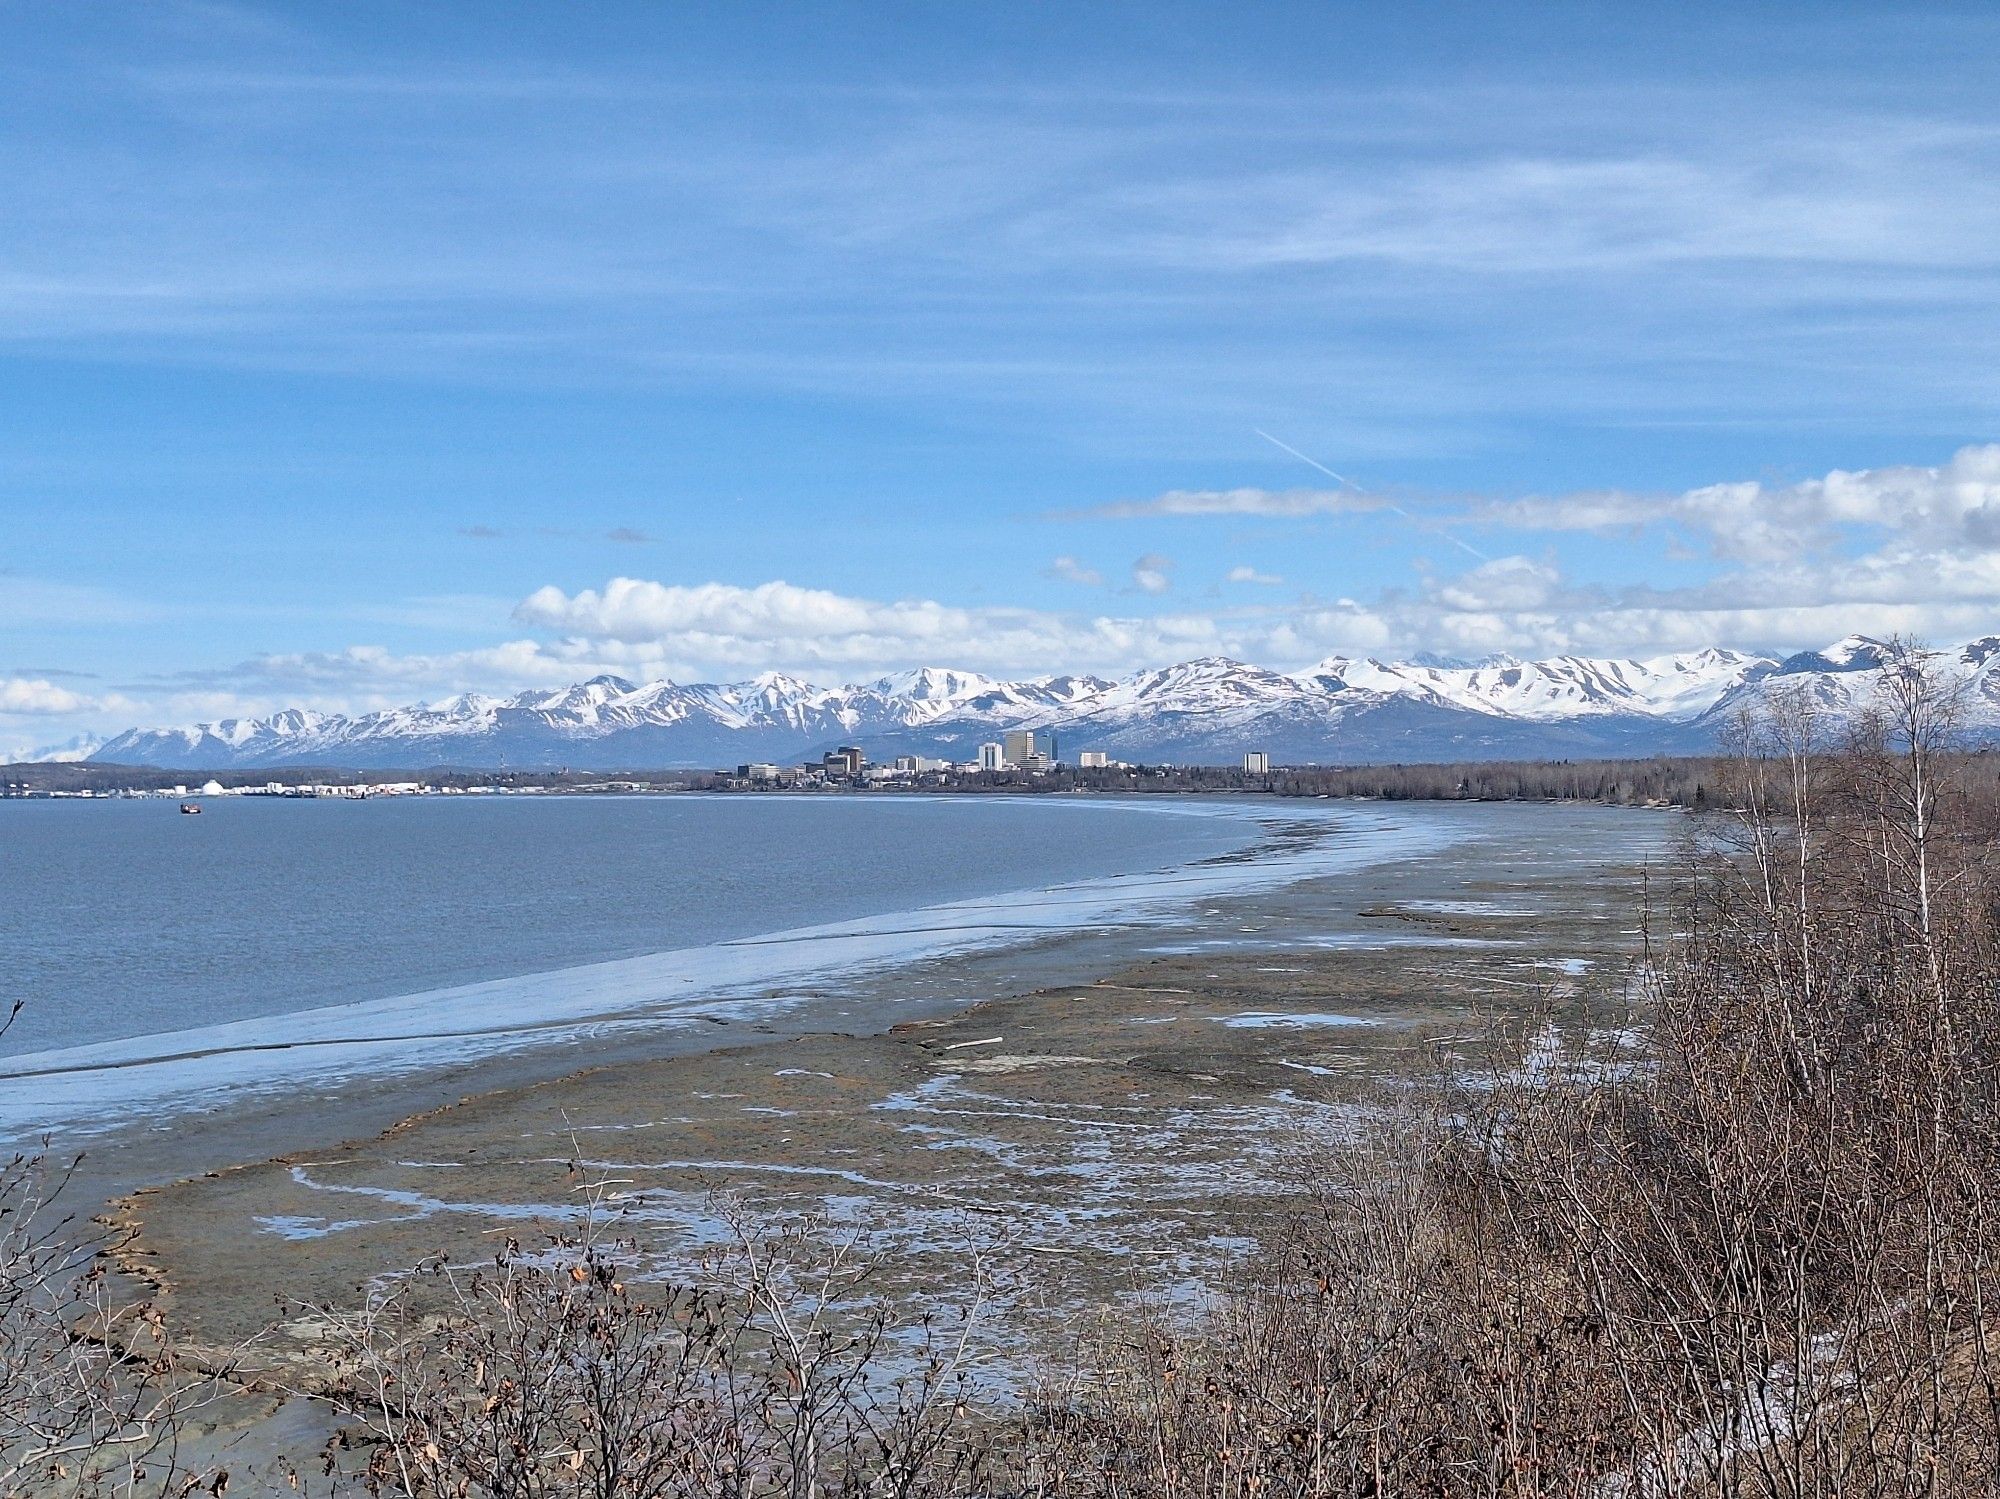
<point x="1744" y="1248"/>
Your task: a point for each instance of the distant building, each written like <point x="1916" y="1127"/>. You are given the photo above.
<point x="1256" y="763"/>
<point x="212" y="788"/>
<point x="757" y="772"/>
<point x="993" y="756"/>
<point x="1018" y="744"/>
<point x="845" y="761"/>
<point x="1093" y="760"/>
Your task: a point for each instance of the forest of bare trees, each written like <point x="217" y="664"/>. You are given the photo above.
<point x="1730" y="1230"/>
<point x="1739" y="1242"/>
<point x="1661" y="781"/>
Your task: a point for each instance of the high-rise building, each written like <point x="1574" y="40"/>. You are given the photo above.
<point x="992" y="757"/>
<point x="1018" y="745"/>
<point x="845" y="761"/>
<point x="1092" y="760"/>
<point x="1256" y="763"/>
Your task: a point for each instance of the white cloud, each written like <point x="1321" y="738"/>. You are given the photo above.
<point x="1069" y="570"/>
<point x="1910" y="548"/>
<point x="632" y="609"/>
<point x="1505" y="583"/>
<point x="1951" y="506"/>
<point x="1153" y="573"/>
<point x="38" y="696"/>
<point x="637" y="626"/>
<point x="1244" y="573"/>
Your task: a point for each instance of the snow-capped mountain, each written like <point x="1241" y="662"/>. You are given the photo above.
<point x="1671" y="687"/>
<point x="1207" y="710"/>
<point x="77" y="747"/>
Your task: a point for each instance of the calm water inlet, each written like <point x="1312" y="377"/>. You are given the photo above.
<point x="125" y="919"/>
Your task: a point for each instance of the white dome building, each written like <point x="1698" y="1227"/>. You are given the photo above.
<point x="212" y="788"/>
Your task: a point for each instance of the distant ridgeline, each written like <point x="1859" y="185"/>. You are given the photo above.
<point x="1206" y="712"/>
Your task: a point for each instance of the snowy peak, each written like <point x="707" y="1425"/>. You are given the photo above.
<point x="1673" y="687"/>
<point x="1067" y="689"/>
<point x="1208" y="680"/>
<point x="1210" y="708"/>
<point x="776" y="687"/>
<point x="583" y="700"/>
<point x="933" y="684"/>
<point x="1853" y="653"/>
<point x="78" y="747"/>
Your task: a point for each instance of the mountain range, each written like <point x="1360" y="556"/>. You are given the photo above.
<point x="1205" y="711"/>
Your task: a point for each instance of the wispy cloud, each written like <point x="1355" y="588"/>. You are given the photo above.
<point x="1153" y="573"/>
<point x="1868" y="198"/>
<point x="1281" y="504"/>
<point x="1243" y="573"/>
<point x="27" y="601"/>
<point x="1069" y="570"/>
<point x="1697" y="244"/>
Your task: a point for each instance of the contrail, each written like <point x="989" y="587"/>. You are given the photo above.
<point x="1383" y="500"/>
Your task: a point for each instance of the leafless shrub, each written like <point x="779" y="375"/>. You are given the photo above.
<point x="1753" y="1254"/>
<point x="92" y="1395"/>
<point x="562" y="1370"/>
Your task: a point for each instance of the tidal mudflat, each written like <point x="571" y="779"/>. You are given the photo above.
<point x="1126" y="1133"/>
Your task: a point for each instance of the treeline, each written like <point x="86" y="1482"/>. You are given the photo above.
<point x="1698" y="783"/>
<point x="1664" y="781"/>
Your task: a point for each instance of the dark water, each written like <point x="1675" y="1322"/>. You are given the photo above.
<point x="121" y="919"/>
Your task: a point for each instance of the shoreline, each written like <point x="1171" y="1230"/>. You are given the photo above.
<point x="1123" y="1128"/>
<point x="862" y="974"/>
<point x="1257" y="1030"/>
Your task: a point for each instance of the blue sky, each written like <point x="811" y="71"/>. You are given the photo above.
<point x="352" y="355"/>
